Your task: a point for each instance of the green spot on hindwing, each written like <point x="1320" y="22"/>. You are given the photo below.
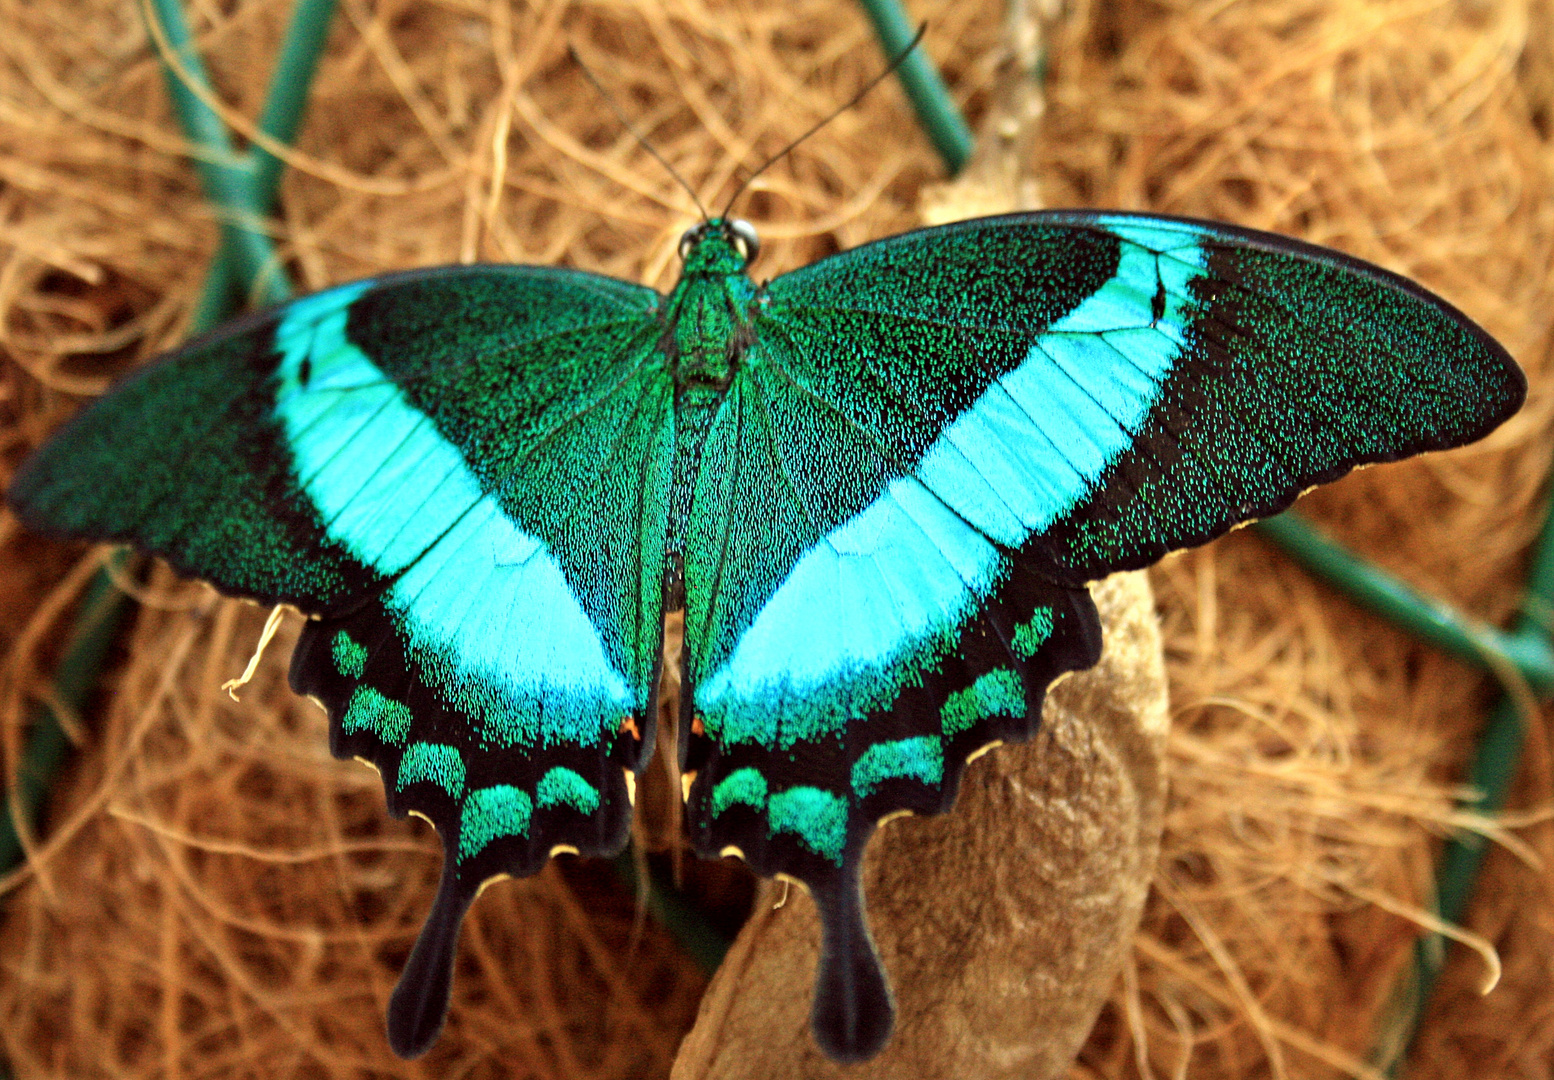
<point x="350" y="656"/>
<point x="562" y="786"/>
<point x="998" y="693"/>
<point x="921" y="758"/>
<point x="434" y="763"/>
<point x="490" y="813"/>
<point x="1029" y="637"/>
<point x="745" y="786"/>
<point x="818" y="818"/>
<point x="370" y="711"/>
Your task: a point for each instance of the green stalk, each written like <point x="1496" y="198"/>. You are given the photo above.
<point x="697" y="938"/>
<point x="244" y="193"/>
<point x="103" y="608"/>
<point x="936" y="110"/>
<point x="228" y="177"/>
<point x="1525" y="649"/>
<point x="1494" y="768"/>
<point x="288" y="97"/>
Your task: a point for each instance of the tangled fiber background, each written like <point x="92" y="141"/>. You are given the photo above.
<point x="213" y="895"/>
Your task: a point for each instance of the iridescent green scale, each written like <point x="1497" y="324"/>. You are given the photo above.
<point x="877" y="486"/>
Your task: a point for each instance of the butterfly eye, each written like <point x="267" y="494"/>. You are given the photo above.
<point x="688" y="240"/>
<point x="743" y="234"/>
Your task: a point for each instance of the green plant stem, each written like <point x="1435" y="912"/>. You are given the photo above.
<point x="244" y="193"/>
<point x="1525" y="649"/>
<point x="103" y="608"/>
<point x="1494" y="768"/>
<point x="936" y="110"/>
<point x="228" y="177"/>
<point x="286" y="102"/>
<point x="703" y="943"/>
<point x="280" y="119"/>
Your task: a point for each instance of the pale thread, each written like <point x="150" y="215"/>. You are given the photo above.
<point x="271" y="624"/>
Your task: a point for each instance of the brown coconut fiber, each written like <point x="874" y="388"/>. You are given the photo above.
<point x="213" y="895"/>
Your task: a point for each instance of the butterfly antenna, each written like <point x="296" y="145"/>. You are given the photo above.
<point x="859" y="96"/>
<point x="635" y="134"/>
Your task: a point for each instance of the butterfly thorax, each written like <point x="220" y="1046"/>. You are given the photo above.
<point x="708" y="324"/>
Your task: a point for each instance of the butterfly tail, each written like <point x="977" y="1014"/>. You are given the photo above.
<point x="419" y="1004"/>
<point x="477" y="766"/>
<point x="853" y="1011"/>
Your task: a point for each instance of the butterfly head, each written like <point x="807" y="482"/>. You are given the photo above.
<point x="719" y="246"/>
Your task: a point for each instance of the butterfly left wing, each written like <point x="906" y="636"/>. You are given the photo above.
<point x="462" y="474"/>
<point x="938" y="438"/>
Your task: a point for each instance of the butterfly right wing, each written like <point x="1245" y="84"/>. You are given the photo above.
<point x="938" y="438"/>
<point x="462" y="474"/>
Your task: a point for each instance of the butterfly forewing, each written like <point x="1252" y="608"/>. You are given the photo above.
<point x="1295" y="365"/>
<point x="190" y="460"/>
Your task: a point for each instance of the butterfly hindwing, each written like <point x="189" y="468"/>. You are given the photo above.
<point x="504" y="784"/>
<point x="799" y="796"/>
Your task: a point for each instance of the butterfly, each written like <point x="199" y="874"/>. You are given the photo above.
<point x="877" y="486"/>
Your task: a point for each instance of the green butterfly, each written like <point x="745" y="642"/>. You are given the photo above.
<point x="877" y="487"/>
